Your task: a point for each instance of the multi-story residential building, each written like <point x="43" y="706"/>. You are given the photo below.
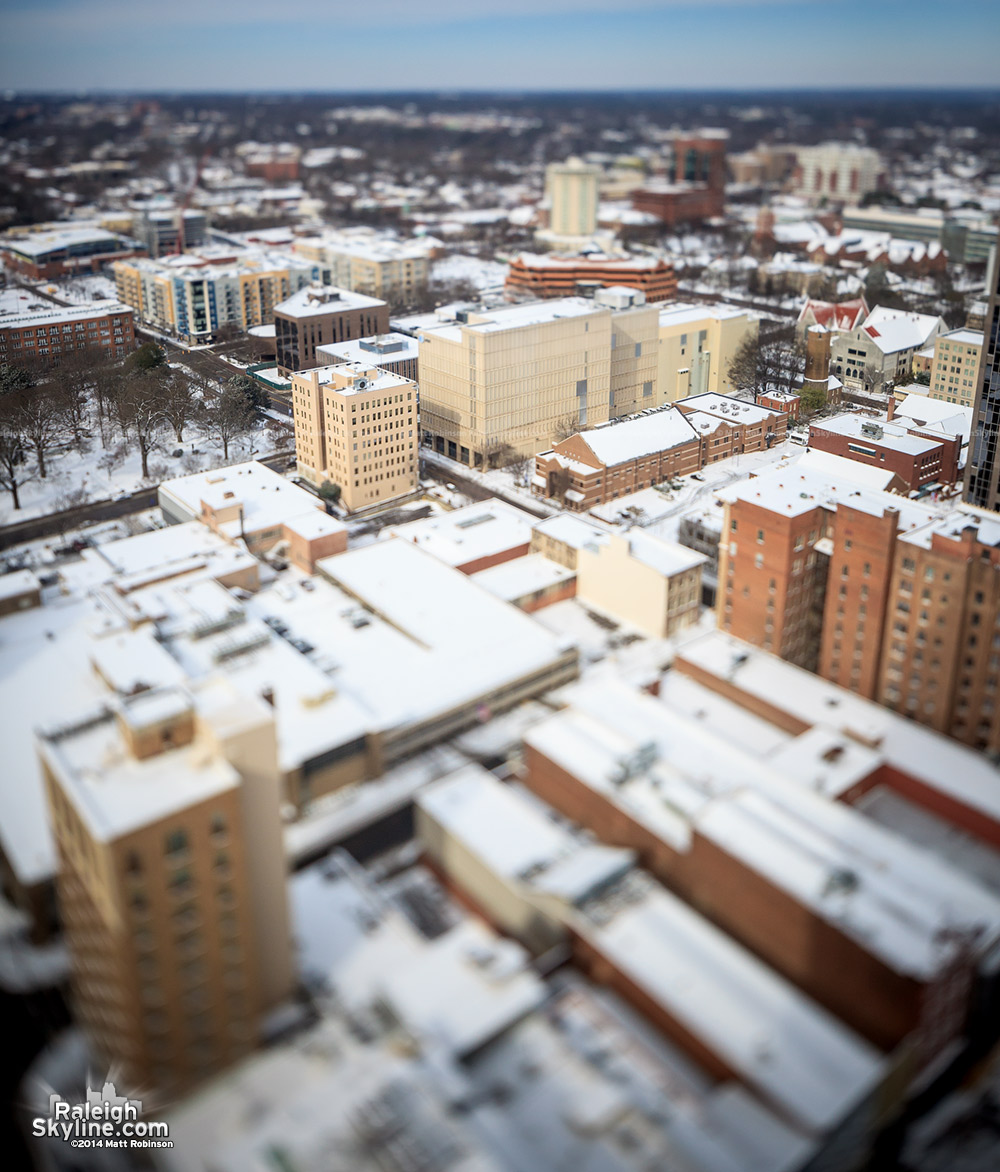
<point x="697" y="345"/>
<point x="195" y="294"/>
<point x="982" y="473"/>
<point x="164" y="806"/>
<point x="919" y="460"/>
<point x="881" y="350"/>
<point x="572" y="190"/>
<point x="885" y="596"/>
<point x="838" y="170"/>
<point x="522" y="375"/>
<point x="556" y="275"/>
<point x="52" y="333"/>
<point x="316" y="315"/>
<point x="369" y="262"/>
<point x="357" y="426"/>
<point x="46" y="251"/>
<point x="392" y="352"/>
<point x="955" y="368"/>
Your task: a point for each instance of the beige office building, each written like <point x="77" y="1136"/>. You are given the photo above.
<point x="357" y="426"/>
<point x="955" y="369"/>
<point x="697" y="344"/>
<point x="572" y="188"/>
<point x="164" y="806"/>
<point x="527" y="375"/>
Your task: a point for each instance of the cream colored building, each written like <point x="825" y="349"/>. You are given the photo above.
<point x="572" y="190"/>
<point x="195" y="294"/>
<point x="357" y="426"/>
<point x="696" y="346"/>
<point x="650" y="584"/>
<point x="364" y="261"/>
<point x="955" y="369"/>
<point x="164" y="807"/>
<point x="525" y="376"/>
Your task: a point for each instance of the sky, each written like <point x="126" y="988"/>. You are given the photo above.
<point x="433" y="45"/>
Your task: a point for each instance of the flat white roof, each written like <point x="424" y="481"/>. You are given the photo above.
<point x="268" y="499"/>
<point x="18" y="582"/>
<point x="55" y="315"/>
<point x="401" y="348"/>
<point x="376" y="378"/>
<point x="510" y="834"/>
<point x="465" y="535"/>
<point x="896" y="438"/>
<point x="794" y="1054"/>
<point x="522" y="576"/>
<point x="727" y="407"/>
<point x="643" y="435"/>
<point x="937" y="761"/>
<point x="687" y="314"/>
<point x="570" y="530"/>
<point x="900" y="905"/>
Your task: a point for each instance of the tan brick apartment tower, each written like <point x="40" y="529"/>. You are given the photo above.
<point x="357" y="426"/>
<point x="164" y="808"/>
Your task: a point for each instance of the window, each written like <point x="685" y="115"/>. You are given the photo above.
<point x="177" y="842"/>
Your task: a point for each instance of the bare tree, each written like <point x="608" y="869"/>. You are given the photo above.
<point x="14" y="467"/>
<point x="178" y="403"/>
<point x="876" y="380"/>
<point x="76" y="378"/>
<point x="774" y="364"/>
<point x="41" y="417"/>
<point x="227" y="417"/>
<point x="140" y="413"/>
<point x="567" y="426"/>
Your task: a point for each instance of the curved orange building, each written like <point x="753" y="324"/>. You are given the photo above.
<point x="558" y="275"/>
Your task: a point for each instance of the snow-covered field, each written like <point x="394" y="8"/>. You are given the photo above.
<point x="484" y="274"/>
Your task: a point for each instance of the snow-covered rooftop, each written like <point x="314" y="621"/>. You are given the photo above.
<point x="522" y="576"/>
<point x="569" y="530"/>
<point x="936" y="761"/>
<point x="679" y="314"/>
<point x="762" y="809"/>
<point x="893" y="330"/>
<point x="727" y="407"/>
<point x="485" y="529"/>
<point x="375" y="351"/>
<point x="54" y="315"/>
<point x="315" y="300"/>
<point x="794" y="1054"/>
<point x="631" y="439"/>
<point x="266" y="499"/>
<point x="887" y="435"/>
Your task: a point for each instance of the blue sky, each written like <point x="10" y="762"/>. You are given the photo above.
<point x="339" y="45"/>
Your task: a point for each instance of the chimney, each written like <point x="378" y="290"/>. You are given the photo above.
<point x="891" y="413"/>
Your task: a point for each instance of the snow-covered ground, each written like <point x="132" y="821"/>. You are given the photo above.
<point x="97" y="474"/>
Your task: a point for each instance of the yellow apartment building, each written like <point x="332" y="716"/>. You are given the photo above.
<point x="164" y="806"/>
<point x="527" y="375"/>
<point x="357" y="426"/>
<point x="696" y="345"/>
<point x="572" y="188"/>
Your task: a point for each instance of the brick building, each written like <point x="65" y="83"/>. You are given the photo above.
<point x="555" y="275"/>
<point x="917" y="460"/>
<point x="321" y="315"/>
<point x="596" y="466"/>
<point x="733" y="835"/>
<point x="52" y="332"/>
<point x="696" y="187"/>
<point x="887" y="597"/>
<point x="593" y="467"/>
